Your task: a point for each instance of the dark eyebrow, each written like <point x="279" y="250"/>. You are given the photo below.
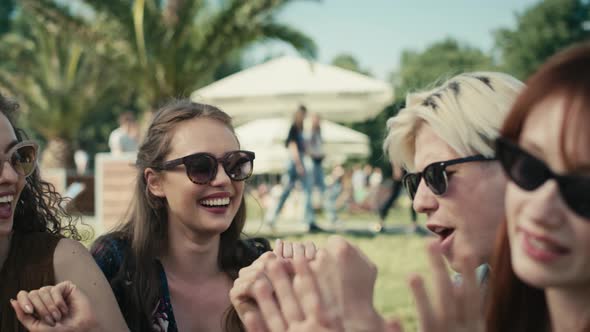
<point x="10" y="146"/>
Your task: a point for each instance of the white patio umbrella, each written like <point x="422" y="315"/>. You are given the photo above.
<point x="277" y="87"/>
<point x="266" y="137"/>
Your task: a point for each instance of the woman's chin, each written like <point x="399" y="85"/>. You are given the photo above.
<point x="6" y="227"/>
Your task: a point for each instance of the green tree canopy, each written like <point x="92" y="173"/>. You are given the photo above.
<point x="75" y="69"/>
<point x="542" y="30"/>
<point x="347" y="61"/>
<point x="441" y="60"/>
<point x="7" y="8"/>
<point x="59" y="78"/>
<point x="178" y="46"/>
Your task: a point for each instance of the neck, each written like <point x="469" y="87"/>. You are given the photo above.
<point x="190" y="256"/>
<point x="4" y="247"/>
<point x="569" y="308"/>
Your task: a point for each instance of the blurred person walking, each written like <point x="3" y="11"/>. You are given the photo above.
<point x="315" y="150"/>
<point x="296" y="172"/>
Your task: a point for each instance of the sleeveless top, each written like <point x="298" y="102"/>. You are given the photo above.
<point x="109" y="252"/>
<point x="28" y="266"/>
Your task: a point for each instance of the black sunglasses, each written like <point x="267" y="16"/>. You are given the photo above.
<point x="529" y="173"/>
<point x="201" y="168"/>
<point x="435" y="175"/>
<point x="22" y="158"/>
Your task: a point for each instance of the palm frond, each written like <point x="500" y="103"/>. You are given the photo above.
<point x="53" y="13"/>
<point x="301" y="42"/>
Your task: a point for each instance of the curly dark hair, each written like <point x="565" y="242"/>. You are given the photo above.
<point x="40" y="208"/>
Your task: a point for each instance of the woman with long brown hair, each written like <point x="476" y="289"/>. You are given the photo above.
<point x="173" y="261"/>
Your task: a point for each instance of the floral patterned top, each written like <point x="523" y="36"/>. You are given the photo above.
<point x="109" y="252"/>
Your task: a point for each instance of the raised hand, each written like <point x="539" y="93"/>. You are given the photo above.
<point x="241" y="294"/>
<point x="62" y="307"/>
<point x="347" y="279"/>
<point x="292" y="304"/>
<point x="454" y="308"/>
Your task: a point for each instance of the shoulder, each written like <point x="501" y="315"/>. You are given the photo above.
<point x="109" y="252"/>
<point x="72" y="261"/>
<point x="109" y="244"/>
<point x="69" y="252"/>
<point x="115" y="133"/>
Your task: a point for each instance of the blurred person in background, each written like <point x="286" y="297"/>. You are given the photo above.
<point x="125" y="137"/>
<point x="333" y="199"/>
<point x="394" y="194"/>
<point x="296" y="172"/>
<point x="316" y="153"/>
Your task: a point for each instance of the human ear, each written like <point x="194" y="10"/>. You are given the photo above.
<point x="153" y="181"/>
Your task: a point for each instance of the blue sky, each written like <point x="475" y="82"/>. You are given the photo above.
<point x="376" y="31"/>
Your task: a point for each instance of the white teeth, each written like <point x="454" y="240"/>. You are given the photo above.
<point x="541" y="245"/>
<point x="216" y="201"/>
<point x="6" y="199"/>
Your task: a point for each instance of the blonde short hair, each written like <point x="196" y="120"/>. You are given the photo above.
<point x="466" y="112"/>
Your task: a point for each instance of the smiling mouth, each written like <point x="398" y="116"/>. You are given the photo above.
<point x="442" y="232"/>
<point x="6" y="199"/>
<point x="216" y="202"/>
<point x="6" y="206"/>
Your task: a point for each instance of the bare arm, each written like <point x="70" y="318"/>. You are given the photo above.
<point x="73" y="262"/>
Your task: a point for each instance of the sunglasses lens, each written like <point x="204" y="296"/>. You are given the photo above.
<point x="23" y="160"/>
<point x="574" y="191"/>
<point x="239" y="165"/>
<point x="522" y="168"/>
<point x="411" y="182"/>
<point x="201" y="168"/>
<point x="435" y="178"/>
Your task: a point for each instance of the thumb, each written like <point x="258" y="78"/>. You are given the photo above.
<point x="66" y="288"/>
<point x="25" y="319"/>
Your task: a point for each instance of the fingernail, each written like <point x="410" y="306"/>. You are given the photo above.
<point x="56" y="315"/>
<point x="28" y="309"/>
<point x="49" y="320"/>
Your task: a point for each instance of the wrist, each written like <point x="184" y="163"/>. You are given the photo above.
<point x="363" y="319"/>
